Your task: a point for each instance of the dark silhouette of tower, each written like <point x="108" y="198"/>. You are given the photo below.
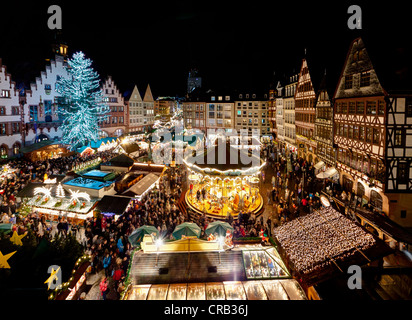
<point x="194" y="80"/>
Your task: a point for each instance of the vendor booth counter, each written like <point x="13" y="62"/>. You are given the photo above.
<point x="288" y="289"/>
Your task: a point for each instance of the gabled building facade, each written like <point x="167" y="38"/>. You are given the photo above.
<point x="272" y="109"/>
<point x="114" y="125"/>
<point x="305" y="100"/>
<point x="280" y="114"/>
<point x="373" y="131"/>
<point x="42" y="103"/>
<point x="324" y="125"/>
<point x="135" y="112"/>
<point x="11" y="116"/>
<point x="148" y="109"/>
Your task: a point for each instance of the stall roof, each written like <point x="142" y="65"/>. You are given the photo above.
<point x="306" y="235"/>
<point x="287" y="289"/>
<point x="214" y="159"/>
<point x="121" y="160"/>
<point x="388" y="226"/>
<point x="37" y="146"/>
<point x="224" y="269"/>
<point x="113" y="204"/>
<point x="140" y="187"/>
<point x="28" y="191"/>
<point x="130" y="147"/>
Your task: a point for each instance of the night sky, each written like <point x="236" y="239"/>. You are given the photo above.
<point x="234" y="44"/>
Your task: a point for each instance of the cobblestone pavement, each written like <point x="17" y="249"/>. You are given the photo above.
<point x="94" y="292"/>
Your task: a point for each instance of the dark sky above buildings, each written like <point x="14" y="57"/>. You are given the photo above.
<point x="234" y="44"/>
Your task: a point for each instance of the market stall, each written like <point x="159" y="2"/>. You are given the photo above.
<point x="52" y="202"/>
<point x="287" y="289"/>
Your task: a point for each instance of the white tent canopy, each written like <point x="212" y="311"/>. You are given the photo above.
<point x="143" y="185"/>
<point x="327" y="174"/>
<point x="319" y="165"/>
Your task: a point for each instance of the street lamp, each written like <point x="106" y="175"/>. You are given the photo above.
<point x="158" y="243"/>
<point x="221" y="240"/>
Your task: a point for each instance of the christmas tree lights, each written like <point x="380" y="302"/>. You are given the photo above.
<point x="83" y="107"/>
<point x="60" y="191"/>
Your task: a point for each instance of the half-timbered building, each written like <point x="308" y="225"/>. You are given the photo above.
<point x="373" y="132"/>
<point x="305" y="100"/>
<point x="324" y="124"/>
<point x="11" y="116"/>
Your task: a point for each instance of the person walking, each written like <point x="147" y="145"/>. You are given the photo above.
<point x="106" y="263"/>
<point x="104" y="287"/>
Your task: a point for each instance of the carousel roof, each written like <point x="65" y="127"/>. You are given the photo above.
<point x="226" y="159"/>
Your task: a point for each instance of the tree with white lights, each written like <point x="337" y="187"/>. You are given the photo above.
<point x="82" y="104"/>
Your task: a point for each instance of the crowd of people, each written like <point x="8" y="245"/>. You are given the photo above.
<point x="19" y="173"/>
<point x="105" y="239"/>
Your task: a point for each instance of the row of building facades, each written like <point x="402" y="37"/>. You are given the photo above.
<point x="32" y="116"/>
<point x="359" y="124"/>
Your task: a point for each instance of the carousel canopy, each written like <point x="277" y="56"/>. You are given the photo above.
<point x="225" y="159"/>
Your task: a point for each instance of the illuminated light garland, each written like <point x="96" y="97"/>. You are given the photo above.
<point x="242" y="172"/>
<point x="43" y="190"/>
<point x="76" y="195"/>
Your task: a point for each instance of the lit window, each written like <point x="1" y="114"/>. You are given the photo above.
<point x="365" y="79"/>
<point x="348" y="81"/>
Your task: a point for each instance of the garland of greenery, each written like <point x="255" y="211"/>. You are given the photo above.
<point x="64" y="286"/>
<point x="127" y="281"/>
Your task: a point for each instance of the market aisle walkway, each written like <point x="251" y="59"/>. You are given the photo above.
<point x="94" y="293"/>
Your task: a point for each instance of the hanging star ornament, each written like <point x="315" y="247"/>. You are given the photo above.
<point x="52" y="277"/>
<point x="16" y="239"/>
<point x="3" y="260"/>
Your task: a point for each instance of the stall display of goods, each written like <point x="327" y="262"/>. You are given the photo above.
<point x="139" y="292"/>
<point x="234" y="290"/>
<point x="177" y="292"/>
<point x="259" y="264"/>
<point x="254" y="290"/>
<point x="196" y="291"/>
<point x="215" y="291"/>
<point x="293" y="289"/>
<point x="275" y="290"/>
<point x="158" y="292"/>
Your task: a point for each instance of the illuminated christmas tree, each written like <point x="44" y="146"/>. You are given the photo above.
<point x="82" y="105"/>
<point x="60" y="191"/>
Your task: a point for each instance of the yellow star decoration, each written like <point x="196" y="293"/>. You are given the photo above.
<point x="53" y="275"/>
<point x="16" y="239"/>
<point x="3" y="260"/>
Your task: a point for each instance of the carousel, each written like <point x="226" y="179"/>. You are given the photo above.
<point x="224" y="180"/>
